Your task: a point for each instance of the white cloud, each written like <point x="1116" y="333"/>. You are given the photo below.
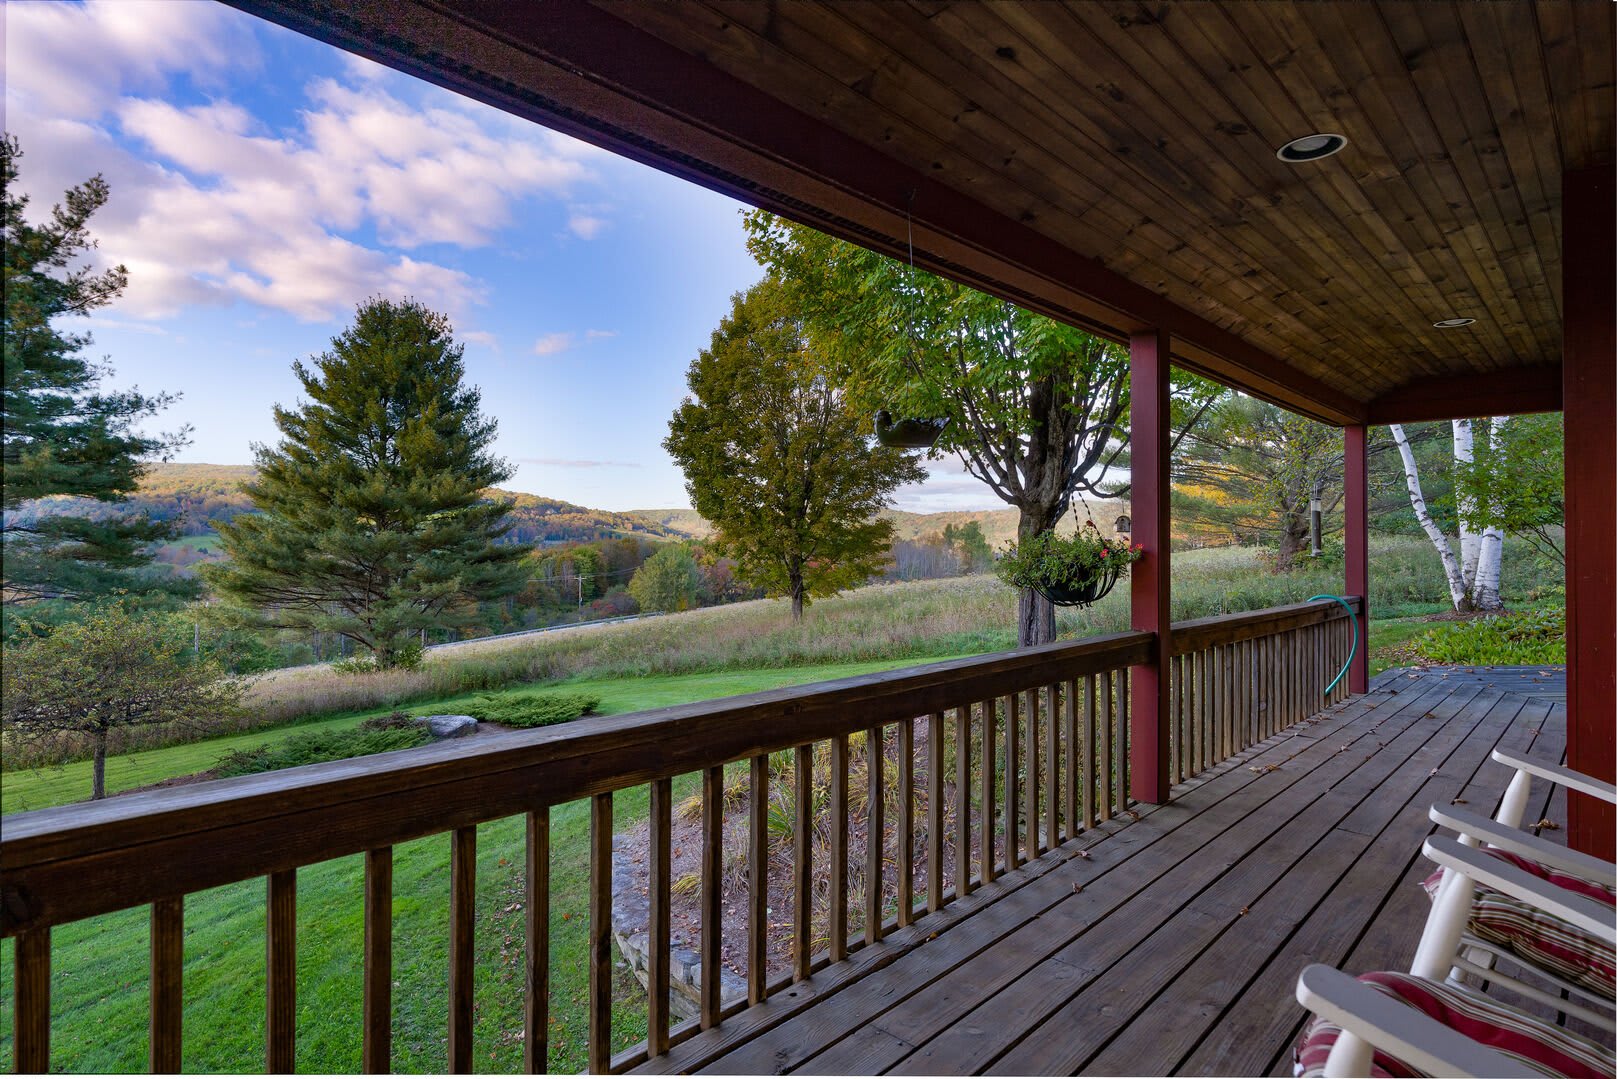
<point x="481" y="337"/>
<point x="585" y="226"/>
<point x="209" y="205"/>
<point x="563" y="462"/>
<point x="552" y="344"/>
<point x="598" y="335"/>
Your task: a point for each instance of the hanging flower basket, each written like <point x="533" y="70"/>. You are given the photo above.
<point x="1082" y="594"/>
<point x="920" y="434"/>
<point x="1069" y="572"/>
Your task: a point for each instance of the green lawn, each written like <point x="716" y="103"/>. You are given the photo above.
<point x="99" y="972"/>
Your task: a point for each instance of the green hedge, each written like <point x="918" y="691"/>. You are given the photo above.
<point x="532" y="709"/>
<point x="316" y="746"/>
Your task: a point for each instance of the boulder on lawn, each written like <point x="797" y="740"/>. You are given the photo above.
<point x="449" y="726"/>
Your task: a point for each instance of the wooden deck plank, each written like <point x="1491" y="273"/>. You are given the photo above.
<point x="1242" y="1038"/>
<point x="789" y="1047"/>
<point x="1212" y="890"/>
<point x="1322" y="851"/>
<point x="1189" y="823"/>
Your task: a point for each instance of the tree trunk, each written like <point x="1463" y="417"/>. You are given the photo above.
<point x="1459" y="593"/>
<point x="1491" y="555"/>
<point x="98" y="770"/>
<point x="1035" y="615"/>
<point x="1293" y="539"/>
<point x="1470" y="541"/>
<point x="797" y="596"/>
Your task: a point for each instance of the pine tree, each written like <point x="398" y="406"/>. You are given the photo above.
<point x="373" y="522"/>
<point x="62" y="434"/>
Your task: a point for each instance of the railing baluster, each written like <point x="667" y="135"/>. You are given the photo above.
<point x="1089" y="751"/>
<point x="1123" y="777"/>
<point x="712" y="911"/>
<point x="536" y="919"/>
<point x="1069" y="705"/>
<point x="1204" y="664"/>
<point x="659" y="929"/>
<point x="462" y="954"/>
<point x="758" y="882"/>
<point x="168" y="961"/>
<point x="962" y="801"/>
<point x="934" y="812"/>
<point x="987" y="780"/>
<point x="906" y="821"/>
<point x="31" y="1004"/>
<point x="1013" y="789"/>
<point x="376" y="1040"/>
<point x="1103" y="766"/>
<point x="802" y="862"/>
<point x="875" y="832"/>
<point x="839" y="848"/>
<point x="281" y="972"/>
<point x="1030" y="704"/>
<point x="1052" y="766"/>
<point x="600" y="943"/>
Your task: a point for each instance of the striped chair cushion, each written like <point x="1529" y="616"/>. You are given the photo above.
<point x="1545" y="1048"/>
<point x="1539" y="939"/>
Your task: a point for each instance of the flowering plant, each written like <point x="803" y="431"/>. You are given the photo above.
<point x="1048" y="562"/>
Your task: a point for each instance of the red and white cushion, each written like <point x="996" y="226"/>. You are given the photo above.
<point x="1542" y="1046"/>
<point x="1539" y="939"/>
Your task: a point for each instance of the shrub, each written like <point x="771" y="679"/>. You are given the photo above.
<point x="393" y="721"/>
<point x="1530" y="637"/>
<point x="314" y="747"/>
<point x="532" y="709"/>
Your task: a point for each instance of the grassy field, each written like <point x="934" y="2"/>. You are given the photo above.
<point x="99" y="970"/>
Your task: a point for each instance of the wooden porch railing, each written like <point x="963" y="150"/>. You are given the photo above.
<point x="1234" y="680"/>
<point x="994" y="760"/>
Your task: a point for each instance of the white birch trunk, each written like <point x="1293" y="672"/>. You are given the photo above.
<point x="1417" y="501"/>
<point x="1470" y="541"/>
<point x="1492" y="546"/>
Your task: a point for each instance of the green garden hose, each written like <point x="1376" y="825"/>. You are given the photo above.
<point x="1352" y="617"/>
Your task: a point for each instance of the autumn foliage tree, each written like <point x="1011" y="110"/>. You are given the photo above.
<point x="778" y="460"/>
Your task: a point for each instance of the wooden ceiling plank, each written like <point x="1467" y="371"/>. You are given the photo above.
<point x="1380" y="207"/>
<point x="1226" y="62"/>
<point x="1050" y="47"/>
<point x="1369" y="62"/>
<point x="1563" y="71"/>
<point x="746" y="53"/>
<point x="1597" y="39"/>
<point x="1115" y="59"/>
<point x="848" y="25"/>
<point x="1506" y="74"/>
<point x="1472" y="148"/>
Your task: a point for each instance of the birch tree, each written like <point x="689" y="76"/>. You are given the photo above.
<point x="1473" y="575"/>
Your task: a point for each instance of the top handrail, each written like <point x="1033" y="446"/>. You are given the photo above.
<point x="1199" y="633"/>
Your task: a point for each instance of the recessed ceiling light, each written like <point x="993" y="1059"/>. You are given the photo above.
<point x="1311" y="147"/>
<point x="1452" y="323"/>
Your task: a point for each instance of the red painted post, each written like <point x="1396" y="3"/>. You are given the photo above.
<point x="1356" y="540"/>
<point x="1589" y="403"/>
<point x="1149" y="432"/>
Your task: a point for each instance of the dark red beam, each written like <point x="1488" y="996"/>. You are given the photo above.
<point x="1508" y="392"/>
<point x="1356" y="540"/>
<point x="1590" y="349"/>
<point x="1150" y="429"/>
<point x="579" y="69"/>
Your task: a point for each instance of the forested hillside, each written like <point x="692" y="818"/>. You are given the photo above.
<point x="195" y="494"/>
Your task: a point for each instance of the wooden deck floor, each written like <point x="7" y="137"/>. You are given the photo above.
<point x="1171" y="944"/>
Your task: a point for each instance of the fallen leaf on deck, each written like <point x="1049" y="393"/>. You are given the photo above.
<point x="1548" y="825"/>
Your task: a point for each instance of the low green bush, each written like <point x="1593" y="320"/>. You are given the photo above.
<point x="314" y="747"/>
<point x="1526" y="638"/>
<point x="532" y="709"/>
<point x="393" y="721"/>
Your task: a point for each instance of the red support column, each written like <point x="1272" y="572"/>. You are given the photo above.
<point x="1356" y="540"/>
<point x="1589" y="403"/>
<point x="1149" y="432"/>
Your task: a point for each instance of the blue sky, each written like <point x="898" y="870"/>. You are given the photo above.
<point x="263" y="184"/>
